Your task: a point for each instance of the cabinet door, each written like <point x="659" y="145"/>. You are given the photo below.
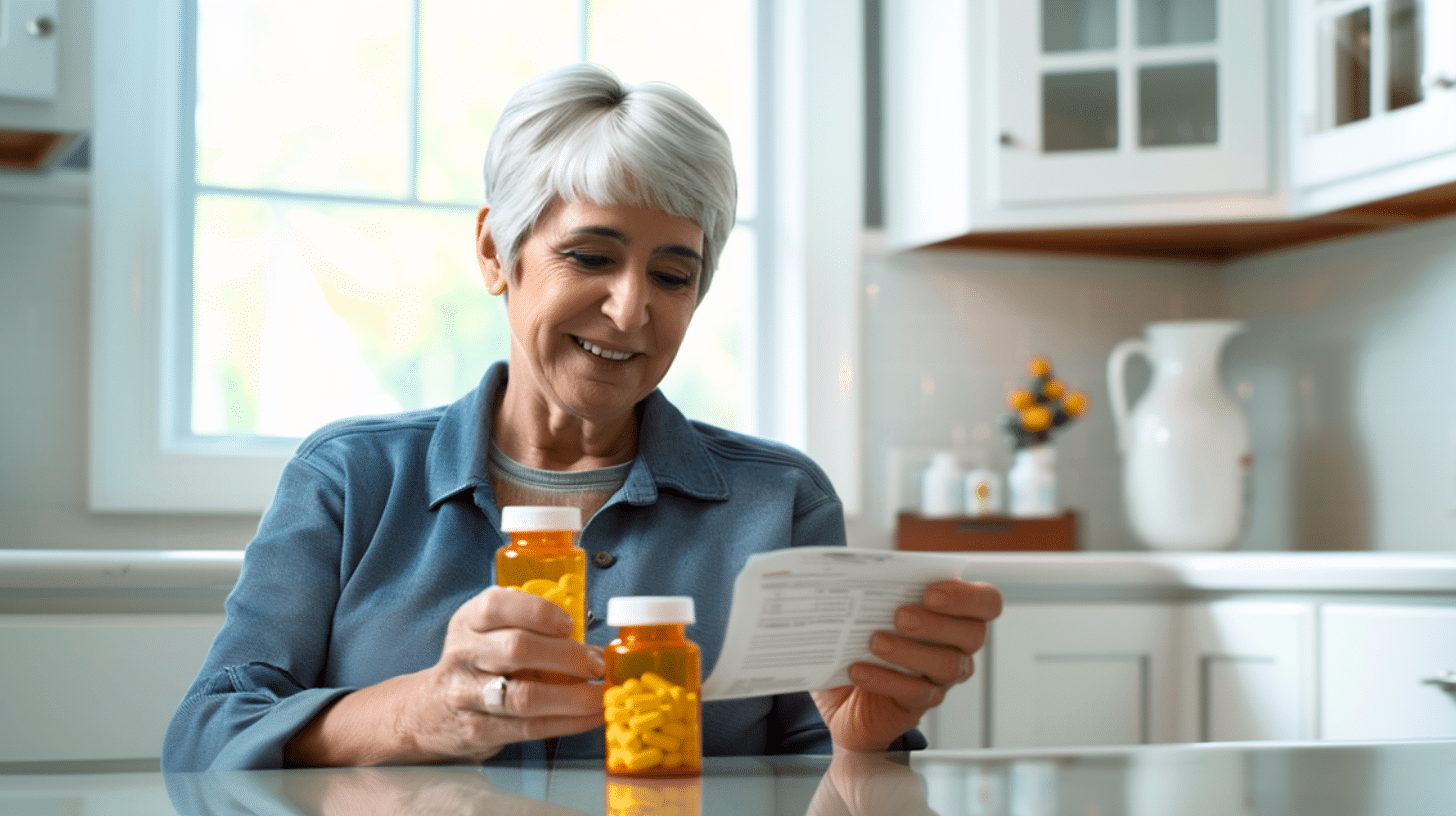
<point x="1081" y="674"/>
<point x="1247" y="671"/>
<point x="1377" y="667"/>
<point x="1125" y="99"/>
<point x="1375" y="86"/>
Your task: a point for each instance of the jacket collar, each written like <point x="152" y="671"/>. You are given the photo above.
<point x="670" y="453"/>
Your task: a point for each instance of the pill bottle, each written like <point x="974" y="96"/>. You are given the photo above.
<point x="542" y="558"/>
<point x="652" y="695"/>
<point x="635" y="796"/>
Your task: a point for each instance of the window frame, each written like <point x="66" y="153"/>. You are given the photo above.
<point x="805" y="354"/>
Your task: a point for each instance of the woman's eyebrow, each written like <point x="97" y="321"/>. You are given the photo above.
<point x="617" y="235"/>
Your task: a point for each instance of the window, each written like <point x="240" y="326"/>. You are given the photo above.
<point x="336" y="182"/>
<point x="353" y="243"/>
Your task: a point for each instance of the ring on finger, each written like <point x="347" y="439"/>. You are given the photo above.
<point x="495" y="695"/>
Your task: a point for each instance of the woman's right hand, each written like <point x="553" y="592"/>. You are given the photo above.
<point x="444" y="714"/>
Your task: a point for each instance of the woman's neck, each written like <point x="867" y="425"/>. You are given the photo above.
<point x="537" y="434"/>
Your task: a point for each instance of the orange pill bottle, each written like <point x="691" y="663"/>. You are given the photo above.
<point x="542" y="558"/>
<point x="652" y="700"/>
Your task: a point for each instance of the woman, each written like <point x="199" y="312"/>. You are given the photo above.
<point x="359" y="633"/>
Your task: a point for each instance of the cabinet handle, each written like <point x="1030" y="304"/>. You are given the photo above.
<point x="41" y="27"/>
<point x="1446" y="680"/>
<point x="1441" y="82"/>
<point x="1007" y="140"/>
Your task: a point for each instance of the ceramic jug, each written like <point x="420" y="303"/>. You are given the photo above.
<point x="1185" y="444"/>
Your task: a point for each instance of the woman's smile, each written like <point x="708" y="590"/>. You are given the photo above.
<point x="598" y="351"/>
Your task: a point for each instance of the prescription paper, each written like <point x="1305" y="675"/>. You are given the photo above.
<point x="800" y="616"/>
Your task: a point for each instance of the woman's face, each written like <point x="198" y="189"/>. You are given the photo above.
<point x="599" y="303"/>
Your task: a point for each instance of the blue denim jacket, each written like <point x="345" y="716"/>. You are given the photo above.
<point x="382" y="527"/>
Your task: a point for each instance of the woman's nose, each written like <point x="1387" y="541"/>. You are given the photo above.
<point x="626" y="303"/>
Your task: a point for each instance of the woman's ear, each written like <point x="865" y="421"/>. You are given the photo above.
<point x="491" y="270"/>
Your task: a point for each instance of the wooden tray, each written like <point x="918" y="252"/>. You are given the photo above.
<point x="1003" y="533"/>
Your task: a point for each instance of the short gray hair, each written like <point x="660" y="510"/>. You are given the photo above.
<point x="579" y="132"/>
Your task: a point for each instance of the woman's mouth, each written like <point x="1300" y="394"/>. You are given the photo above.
<point x="601" y="352"/>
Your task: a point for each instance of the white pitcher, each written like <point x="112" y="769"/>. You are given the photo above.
<point x="1185" y="445"/>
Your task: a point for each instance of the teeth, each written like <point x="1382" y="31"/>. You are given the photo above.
<point x="601" y="352"/>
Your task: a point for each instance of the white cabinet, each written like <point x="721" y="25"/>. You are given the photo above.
<point x="1116" y="99"/>
<point x="45" y="77"/>
<point x="1129" y="673"/>
<point x="1381" y="671"/>
<point x="1082" y="674"/>
<point x="1375" y="97"/>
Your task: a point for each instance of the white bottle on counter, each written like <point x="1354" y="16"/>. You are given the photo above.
<point x="983" y="492"/>
<point x="942" y="487"/>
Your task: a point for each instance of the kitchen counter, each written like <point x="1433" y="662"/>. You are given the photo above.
<point x="1237" y="779"/>
<point x="1201" y="572"/>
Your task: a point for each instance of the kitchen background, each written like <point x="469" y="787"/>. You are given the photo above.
<point x="1343" y="373"/>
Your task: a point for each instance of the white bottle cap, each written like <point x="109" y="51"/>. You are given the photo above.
<point x="649" y="610"/>
<point x="517" y="519"/>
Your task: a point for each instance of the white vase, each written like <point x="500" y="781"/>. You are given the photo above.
<point x="1185" y="444"/>
<point x="942" y="486"/>
<point x="1032" y="482"/>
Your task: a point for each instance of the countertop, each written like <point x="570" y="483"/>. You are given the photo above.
<point x="1211" y="572"/>
<point x="1207" y="779"/>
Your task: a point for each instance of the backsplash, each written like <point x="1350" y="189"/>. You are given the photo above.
<point x="1344" y="373"/>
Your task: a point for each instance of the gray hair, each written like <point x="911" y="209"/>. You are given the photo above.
<point x="579" y="132"/>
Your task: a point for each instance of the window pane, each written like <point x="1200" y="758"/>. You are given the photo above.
<point x="473" y="55"/>
<point x="1170" y="22"/>
<point x="303" y="96"/>
<point x="707" y="49"/>
<point x="307" y="313"/>
<point x="1347" y="39"/>
<point x="1178" y="104"/>
<point x="1078" y="25"/>
<point x="1079" y="111"/>
<point x="707" y="381"/>
<point x="1406" y="53"/>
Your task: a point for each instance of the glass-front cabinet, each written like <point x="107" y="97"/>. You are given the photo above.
<point x="1117" y="99"/>
<point x="1375" y="85"/>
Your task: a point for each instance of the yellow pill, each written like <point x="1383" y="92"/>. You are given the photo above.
<point x="647" y="722"/>
<point x="676" y="728"/>
<point x="643" y="702"/>
<point x="556" y="595"/>
<point x="614" y="696"/>
<point x="619" y="716"/>
<point x="644" y="759"/>
<point x="632" y="686"/>
<point x="572" y="583"/>
<point x="538" y="586"/>
<point x="657" y="739"/>
<point x="671" y="759"/>
<point x="620" y="758"/>
<point x="655" y="681"/>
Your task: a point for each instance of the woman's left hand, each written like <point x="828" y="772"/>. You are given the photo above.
<point x="933" y="641"/>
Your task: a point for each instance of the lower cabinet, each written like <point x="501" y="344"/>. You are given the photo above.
<point x="1388" y="671"/>
<point x="1126" y="673"/>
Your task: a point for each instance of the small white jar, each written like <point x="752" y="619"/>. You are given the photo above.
<point x="942" y="489"/>
<point x="983" y="492"/>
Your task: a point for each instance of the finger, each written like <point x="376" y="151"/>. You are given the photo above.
<point x="964" y="600"/>
<point x="919" y="623"/>
<point x="508" y="651"/>
<point x="942" y="665"/>
<point x="909" y="692"/>
<point x="527" y="699"/>
<point x="501" y="607"/>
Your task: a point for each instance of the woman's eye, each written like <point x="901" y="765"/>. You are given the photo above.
<point x="672" y="280"/>
<point x="587" y="260"/>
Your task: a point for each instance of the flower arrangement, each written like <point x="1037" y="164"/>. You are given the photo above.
<point x="1041" y="409"/>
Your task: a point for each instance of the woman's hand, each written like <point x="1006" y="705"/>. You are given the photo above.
<point x="445" y="714"/>
<point x="933" y="641"/>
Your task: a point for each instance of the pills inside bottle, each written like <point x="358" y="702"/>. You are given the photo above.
<point x="653" y="686"/>
<point x="542" y="558"/>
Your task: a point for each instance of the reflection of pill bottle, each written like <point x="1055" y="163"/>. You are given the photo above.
<point x="653" y="710"/>
<point x="543" y="560"/>
<point x="654" y="797"/>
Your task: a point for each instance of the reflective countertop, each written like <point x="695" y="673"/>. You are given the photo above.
<point x="1206" y="779"/>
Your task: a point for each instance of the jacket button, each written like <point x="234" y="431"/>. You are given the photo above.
<point x="604" y="559"/>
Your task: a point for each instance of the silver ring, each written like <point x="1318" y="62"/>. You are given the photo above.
<point x="495" y="695"/>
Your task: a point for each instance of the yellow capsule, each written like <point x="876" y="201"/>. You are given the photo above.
<point x="614" y="696"/>
<point x="671" y="759"/>
<point x="676" y="728"/>
<point x="538" y="586"/>
<point x="644" y="759"/>
<point x="655" y="681"/>
<point x="557" y="595"/>
<point x="619" y="716"/>
<point x="647" y="722"/>
<point x="643" y="702"/>
<point x="657" y="739"/>
<point x="573" y="584"/>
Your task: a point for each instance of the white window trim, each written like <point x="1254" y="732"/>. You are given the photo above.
<point x="808" y="353"/>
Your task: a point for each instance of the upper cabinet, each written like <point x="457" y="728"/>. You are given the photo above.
<point x="1127" y="99"/>
<point x="1173" y="128"/>
<point x="1375" y="97"/>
